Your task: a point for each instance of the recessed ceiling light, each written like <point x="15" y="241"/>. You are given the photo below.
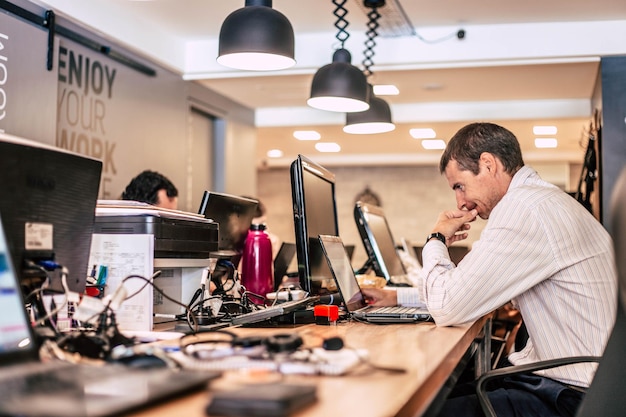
<point x="327" y="147"/>
<point x="386" y="90"/>
<point x="423" y="133"/>
<point x="306" y="135"/>
<point x="431" y="144"/>
<point x="545" y="142"/>
<point x="274" y="153"/>
<point x="544" y="130"/>
<point x="432" y="86"/>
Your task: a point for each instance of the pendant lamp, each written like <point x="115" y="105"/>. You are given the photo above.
<point x="376" y="119"/>
<point x="257" y="38"/>
<point x="340" y="86"/>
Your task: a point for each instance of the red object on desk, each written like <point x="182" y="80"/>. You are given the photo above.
<point x="326" y="314"/>
<point x="94" y="291"/>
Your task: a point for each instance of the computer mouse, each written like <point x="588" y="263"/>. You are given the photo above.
<point x="333" y="343"/>
<point x="142" y="361"/>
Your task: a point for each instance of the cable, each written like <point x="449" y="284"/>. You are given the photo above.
<point x="459" y="34"/>
<point x="154" y="275"/>
<point x="191" y="319"/>
<point x="57" y="309"/>
<point x="233" y="276"/>
<point x="247" y="293"/>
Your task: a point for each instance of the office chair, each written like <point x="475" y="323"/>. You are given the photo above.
<point x="605" y="396"/>
<point x="507" y="332"/>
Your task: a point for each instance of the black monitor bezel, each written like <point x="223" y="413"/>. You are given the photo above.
<point x="303" y="240"/>
<point x="244" y="207"/>
<point x="58" y="187"/>
<point x="368" y="237"/>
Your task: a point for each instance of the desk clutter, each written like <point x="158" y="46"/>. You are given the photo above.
<point x="284" y="353"/>
<point x="77" y="290"/>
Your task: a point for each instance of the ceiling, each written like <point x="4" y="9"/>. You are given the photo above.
<point x="519" y="64"/>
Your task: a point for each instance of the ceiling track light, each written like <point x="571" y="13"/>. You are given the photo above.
<point x="340" y="86"/>
<point x="376" y="119"/>
<point x="256" y="38"/>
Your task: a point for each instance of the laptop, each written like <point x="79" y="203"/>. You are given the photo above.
<point x="283" y="259"/>
<point x="234" y="214"/>
<point x="31" y="387"/>
<point x="350" y="291"/>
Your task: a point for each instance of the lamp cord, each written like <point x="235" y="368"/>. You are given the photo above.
<point x="341" y="23"/>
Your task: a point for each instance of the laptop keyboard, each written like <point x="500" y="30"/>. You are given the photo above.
<point x="394" y="310"/>
<point x="50" y="380"/>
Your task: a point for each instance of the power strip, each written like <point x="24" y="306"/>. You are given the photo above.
<point x="287" y="295"/>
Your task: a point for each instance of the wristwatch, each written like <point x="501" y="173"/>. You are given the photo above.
<point x="438" y="236"/>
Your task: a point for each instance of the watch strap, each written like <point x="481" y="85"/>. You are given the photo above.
<point x="438" y="236"/>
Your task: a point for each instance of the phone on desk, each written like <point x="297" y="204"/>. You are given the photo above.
<point x="261" y="400"/>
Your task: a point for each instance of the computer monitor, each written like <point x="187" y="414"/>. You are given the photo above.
<point x="234" y="216"/>
<point x="378" y="241"/>
<point x="48" y="201"/>
<point x="314" y="214"/>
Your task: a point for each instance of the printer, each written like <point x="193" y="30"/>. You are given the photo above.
<point x="177" y="234"/>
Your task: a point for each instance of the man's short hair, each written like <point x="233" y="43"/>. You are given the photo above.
<point x="471" y="141"/>
<point x="145" y="187"/>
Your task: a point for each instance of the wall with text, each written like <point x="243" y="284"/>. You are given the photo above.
<point x="89" y="103"/>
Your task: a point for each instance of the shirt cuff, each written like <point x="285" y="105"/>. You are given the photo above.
<point x="409" y="297"/>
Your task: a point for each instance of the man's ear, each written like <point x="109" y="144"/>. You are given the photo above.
<point x="488" y="160"/>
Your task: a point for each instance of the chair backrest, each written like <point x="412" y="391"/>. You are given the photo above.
<point x="606" y="394"/>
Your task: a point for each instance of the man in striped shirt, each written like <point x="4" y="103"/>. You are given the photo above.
<point x="540" y="249"/>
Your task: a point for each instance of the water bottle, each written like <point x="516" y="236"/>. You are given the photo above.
<point x="256" y="269"/>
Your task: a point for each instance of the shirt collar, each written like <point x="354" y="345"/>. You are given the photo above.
<point x="521" y="176"/>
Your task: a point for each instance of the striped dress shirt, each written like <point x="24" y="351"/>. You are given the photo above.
<point x="546" y="253"/>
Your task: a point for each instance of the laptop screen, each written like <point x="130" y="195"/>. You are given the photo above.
<point x="15" y="335"/>
<point x="342" y="271"/>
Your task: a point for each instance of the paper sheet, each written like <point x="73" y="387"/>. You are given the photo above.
<point x="125" y="255"/>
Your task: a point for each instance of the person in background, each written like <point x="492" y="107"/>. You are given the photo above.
<point x="152" y="188"/>
<point x="541" y="249"/>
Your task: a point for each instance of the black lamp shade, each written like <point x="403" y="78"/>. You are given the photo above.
<point x="376" y="119"/>
<point x="256" y="37"/>
<point x="340" y="86"/>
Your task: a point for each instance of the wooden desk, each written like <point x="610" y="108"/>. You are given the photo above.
<point x="428" y="353"/>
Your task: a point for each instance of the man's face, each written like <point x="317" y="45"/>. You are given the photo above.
<point x="166" y="202"/>
<point x="480" y="192"/>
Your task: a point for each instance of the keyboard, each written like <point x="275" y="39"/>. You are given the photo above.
<point x="272" y="311"/>
<point x="394" y="310"/>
